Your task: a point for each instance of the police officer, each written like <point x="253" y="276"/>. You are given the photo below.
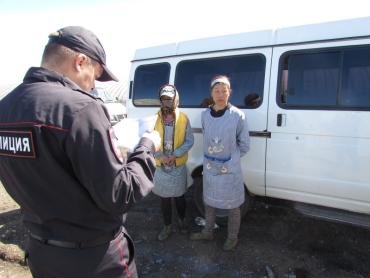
<point x="59" y="159"/>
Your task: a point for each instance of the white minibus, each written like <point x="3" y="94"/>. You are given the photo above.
<point x="305" y="92"/>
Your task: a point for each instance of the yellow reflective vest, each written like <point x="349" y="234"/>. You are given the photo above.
<point x="179" y="134"/>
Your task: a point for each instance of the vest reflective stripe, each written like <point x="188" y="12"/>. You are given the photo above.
<point x="179" y="137"/>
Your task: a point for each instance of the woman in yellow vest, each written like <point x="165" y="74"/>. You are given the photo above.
<point x="171" y="173"/>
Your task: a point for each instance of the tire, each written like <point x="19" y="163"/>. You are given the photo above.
<point x="221" y="214"/>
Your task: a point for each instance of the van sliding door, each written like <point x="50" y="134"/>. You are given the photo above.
<point x="319" y="115"/>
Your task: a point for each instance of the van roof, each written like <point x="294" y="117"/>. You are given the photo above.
<point x="359" y="27"/>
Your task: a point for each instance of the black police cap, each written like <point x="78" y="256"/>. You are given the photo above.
<point x="84" y="41"/>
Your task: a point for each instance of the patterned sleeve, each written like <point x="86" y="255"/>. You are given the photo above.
<point x="188" y="143"/>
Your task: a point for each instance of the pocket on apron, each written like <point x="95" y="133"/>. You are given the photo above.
<point x="216" y="168"/>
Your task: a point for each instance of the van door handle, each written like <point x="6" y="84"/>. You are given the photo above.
<point x="281" y="119"/>
<point x="264" y="133"/>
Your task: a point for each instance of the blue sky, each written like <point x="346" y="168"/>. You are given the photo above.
<point x="126" y="25"/>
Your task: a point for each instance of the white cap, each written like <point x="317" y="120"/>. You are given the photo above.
<point x="168" y="91"/>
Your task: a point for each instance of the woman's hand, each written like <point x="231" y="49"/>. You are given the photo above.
<point x="164" y="160"/>
<point x="171" y="160"/>
<point x="167" y="160"/>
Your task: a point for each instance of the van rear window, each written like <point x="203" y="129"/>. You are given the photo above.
<point x="336" y="78"/>
<point x="147" y="82"/>
<point x="246" y="73"/>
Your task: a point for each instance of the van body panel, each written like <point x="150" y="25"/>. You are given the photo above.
<point x="350" y="28"/>
<point x="156" y="51"/>
<point x="235" y="41"/>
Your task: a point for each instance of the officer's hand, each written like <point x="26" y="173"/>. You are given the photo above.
<point x="155" y="137"/>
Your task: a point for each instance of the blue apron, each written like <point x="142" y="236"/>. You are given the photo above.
<point x="223" y="185"/>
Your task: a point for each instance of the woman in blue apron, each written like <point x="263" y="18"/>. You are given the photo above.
<point x="170" y="178"/>
<point x="225" y="141"/>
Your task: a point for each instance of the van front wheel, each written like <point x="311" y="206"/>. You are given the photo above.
<point x="221" y="214"/>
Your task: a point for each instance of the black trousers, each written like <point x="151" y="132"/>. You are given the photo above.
<point x="166" y="206"/>
<point x="113" y="259"/>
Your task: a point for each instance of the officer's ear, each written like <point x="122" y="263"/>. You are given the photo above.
<point x="80" y="61"/>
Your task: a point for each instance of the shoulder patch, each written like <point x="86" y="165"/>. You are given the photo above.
<point x="113" y="140"/>
<point x="17" y="143"/>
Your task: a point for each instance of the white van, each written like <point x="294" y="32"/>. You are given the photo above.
<point x="306" y="94"/>
<point x="116" y="110"/>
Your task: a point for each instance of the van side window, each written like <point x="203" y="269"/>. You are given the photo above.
<point x="337" y="79"/>
<point x="147" y="81"/>
<point x="246" y="74"/>
<point x="355" y="91"/>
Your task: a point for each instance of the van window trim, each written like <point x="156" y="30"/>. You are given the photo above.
<point x="314" y="51"/>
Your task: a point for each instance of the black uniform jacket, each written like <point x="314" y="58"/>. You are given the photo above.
<point x="58" y="160"/>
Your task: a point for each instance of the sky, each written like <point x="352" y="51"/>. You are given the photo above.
<point x="126" y="25"/>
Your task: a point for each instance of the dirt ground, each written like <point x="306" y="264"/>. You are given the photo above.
<point x="275" y="241"/>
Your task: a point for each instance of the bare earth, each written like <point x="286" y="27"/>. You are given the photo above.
<point x="274" y="240"/>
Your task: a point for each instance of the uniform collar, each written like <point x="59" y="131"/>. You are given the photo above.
<point x="39" y="74"/>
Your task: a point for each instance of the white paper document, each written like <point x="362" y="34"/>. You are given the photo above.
<point x="130" y="130"/>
